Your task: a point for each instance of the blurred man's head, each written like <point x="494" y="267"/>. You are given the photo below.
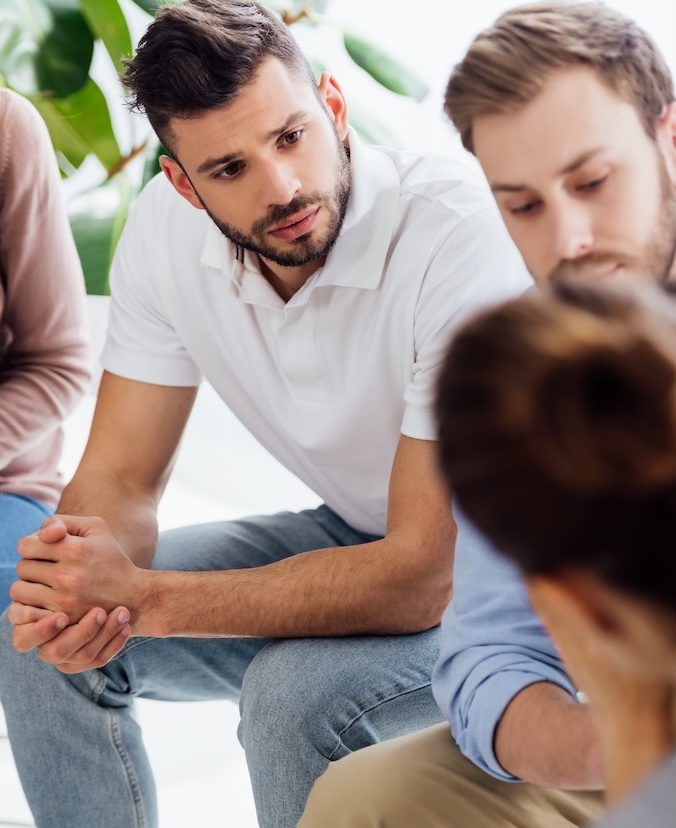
<point x="569" y="109"/>
<point x="557" y="434"/>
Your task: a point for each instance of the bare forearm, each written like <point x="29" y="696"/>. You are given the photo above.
<point x="131" y="516"/>
<point x="345" y="591"/>
<point x="545" y="737"/>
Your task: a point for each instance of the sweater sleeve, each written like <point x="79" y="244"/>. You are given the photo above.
<point x="44" y="349"/>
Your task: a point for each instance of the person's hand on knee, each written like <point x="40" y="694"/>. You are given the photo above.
<point x="88" y="644"/>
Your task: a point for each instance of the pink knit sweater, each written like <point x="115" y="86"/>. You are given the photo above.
<point x="44" y="356"/>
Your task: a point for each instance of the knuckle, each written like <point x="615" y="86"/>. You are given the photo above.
<point x="20" y="645"/>
<point x="23" y="546"/>
<point x="67" y="603"/>
<point x="52" y="652"/>
<point x="14" y="590"/>
<point x="86" y="654"/>
<point x="79" y="553"/>
<point x="17" y="614"/>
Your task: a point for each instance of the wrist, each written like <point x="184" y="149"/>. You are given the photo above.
<point x="147" y="617"/>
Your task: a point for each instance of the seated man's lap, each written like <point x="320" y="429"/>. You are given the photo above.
<point x="422" y="779"/>
<point x="19" y="516"/>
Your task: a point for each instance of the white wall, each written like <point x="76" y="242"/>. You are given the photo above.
<point x="432" y="35"/>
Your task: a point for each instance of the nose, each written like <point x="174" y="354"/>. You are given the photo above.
<point x="572" y="233"/>
<point x="280" y="183"/>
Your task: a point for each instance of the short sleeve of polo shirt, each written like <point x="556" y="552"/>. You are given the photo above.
<point x="141" y="342"/>
<point x="476" y="265"/>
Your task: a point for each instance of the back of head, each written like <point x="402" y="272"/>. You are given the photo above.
<point x="509" y="63"/>
<point x="557" y="430"/>
<point x="199" y="54"/>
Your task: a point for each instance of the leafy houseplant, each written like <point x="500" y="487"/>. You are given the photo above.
<point x="46" y="50"/>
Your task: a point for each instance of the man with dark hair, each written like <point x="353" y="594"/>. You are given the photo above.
<point x="314" y="282"/>
<point x="569" y="108"/>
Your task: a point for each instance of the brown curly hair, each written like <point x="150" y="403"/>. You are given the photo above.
<point x="557" y="432"/>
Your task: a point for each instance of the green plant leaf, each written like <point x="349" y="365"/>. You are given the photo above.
<point x="96" y="219"/>
<point x="46" y="46"/>
<point x="318" y="68"/>
<point x="80" y="124"/>
<point x="151" y="6"/>
<point x="383" y="68"/>
<point x="369" y="128"/>
<point x="107" y="21"/>
<point x="151" y="165"/>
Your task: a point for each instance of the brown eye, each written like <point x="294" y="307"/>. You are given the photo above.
<point x="293" y="137"/>
<point x="231" y="170"/>
<point x="525" y="209"/>
<point x="594" y="184"/>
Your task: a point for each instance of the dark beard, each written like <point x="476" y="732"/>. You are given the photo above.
<point x="660" y="253"/>
<point x="306" y="248"/>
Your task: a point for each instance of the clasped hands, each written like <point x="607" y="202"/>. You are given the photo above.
<point x="75" y="595"/>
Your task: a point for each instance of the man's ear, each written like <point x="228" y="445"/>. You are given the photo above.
<point x="575" y="598"/>
<point x="180" y="181"/>
<point x="559" y="602"/>
<point x="334" y="100"/>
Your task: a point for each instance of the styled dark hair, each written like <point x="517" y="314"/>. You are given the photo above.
<point x="509" y="63"/>
<point x="198" y="55"/>
<point x="557" y="432"/>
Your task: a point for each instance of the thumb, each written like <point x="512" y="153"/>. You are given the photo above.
<point x="52" y="530"/>
<point x="81" y="526"/>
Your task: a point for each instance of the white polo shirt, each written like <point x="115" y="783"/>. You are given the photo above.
<point x="328" y="381"/>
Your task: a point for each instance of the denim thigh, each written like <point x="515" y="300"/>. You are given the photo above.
<point x="19" y="516"/>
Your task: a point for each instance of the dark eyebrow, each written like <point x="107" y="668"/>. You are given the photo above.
<point x="286" y="126"/>
<point x="224" y="160"/>
<point x="574" y="165"/>
<point x="211" y="163"/>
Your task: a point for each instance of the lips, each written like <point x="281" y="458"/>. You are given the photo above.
<point x="602" y="274"/>
<point x="297" y="225"/>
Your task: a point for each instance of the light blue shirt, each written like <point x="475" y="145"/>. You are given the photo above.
<point x="492" y="647"/>
<point x="653" y="805"/>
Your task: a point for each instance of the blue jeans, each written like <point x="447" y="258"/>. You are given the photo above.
<point x="19" y="516"/>
<point x="303" y="702"/>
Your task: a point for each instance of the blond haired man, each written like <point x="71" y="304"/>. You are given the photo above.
<point x="570" y="110"/>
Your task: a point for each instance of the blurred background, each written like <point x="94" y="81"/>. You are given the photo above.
<point x="392" y="58"/>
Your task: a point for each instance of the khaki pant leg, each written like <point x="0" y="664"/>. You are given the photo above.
<point x="423" y="781"/>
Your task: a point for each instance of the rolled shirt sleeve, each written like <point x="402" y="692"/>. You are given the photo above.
<point x="492" y="647"/>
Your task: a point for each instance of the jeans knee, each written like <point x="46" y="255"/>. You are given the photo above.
<point x="7" y="650"/>
<point x="12" y="663"/>
<point x="281" y="693"/>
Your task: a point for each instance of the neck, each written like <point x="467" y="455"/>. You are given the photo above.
<point x="287" y="281"/>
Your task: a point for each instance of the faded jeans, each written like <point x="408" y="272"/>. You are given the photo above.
<point x="303" y="702"/>
<point x="19" y="516"/>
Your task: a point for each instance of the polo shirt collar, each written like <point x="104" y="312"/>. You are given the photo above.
<point x="357" y="259"/>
